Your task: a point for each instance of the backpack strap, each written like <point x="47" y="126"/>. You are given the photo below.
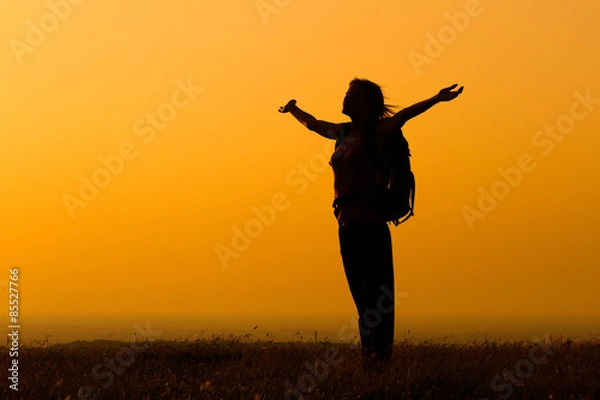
<point x="412" y="202"/>
<point x="342" y="134"/>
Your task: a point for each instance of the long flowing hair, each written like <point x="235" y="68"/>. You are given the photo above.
<point x="375" y="97"/>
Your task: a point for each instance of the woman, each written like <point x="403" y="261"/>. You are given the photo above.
<point x="365" y="241"/>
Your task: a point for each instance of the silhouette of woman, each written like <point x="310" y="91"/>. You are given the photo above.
<point x="364" y="236"/>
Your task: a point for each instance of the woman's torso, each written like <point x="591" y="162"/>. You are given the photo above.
<point x="354" y="170"/>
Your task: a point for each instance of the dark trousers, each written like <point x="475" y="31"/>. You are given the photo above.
<point x="366" y="249"/>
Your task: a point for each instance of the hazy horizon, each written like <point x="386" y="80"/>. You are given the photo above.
<point x="459" y="328"/>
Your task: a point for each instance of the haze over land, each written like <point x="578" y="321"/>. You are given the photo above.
<point x="461" y="329"/>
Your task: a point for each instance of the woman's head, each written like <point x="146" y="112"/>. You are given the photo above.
<point x="365" y="98"/>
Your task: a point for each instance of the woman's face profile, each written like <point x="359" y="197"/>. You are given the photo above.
<point x="354" y="101"/>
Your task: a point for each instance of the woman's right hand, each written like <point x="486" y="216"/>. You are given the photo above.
<point x="287" y="107"/>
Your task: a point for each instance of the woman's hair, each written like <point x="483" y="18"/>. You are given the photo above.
<point x="374" y="96"/>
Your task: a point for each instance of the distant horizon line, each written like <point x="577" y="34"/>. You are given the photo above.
<point x="309" y="315"/>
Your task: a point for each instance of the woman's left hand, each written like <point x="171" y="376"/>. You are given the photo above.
<point x="447" y="94"/>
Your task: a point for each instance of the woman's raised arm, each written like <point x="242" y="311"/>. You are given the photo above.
<point x="401" y="117"/>
<point x="326" y="129"/>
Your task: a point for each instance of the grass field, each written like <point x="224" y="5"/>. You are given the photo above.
<point x="240" y="368"/>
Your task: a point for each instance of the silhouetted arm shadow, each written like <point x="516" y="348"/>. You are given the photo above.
<point x="398" y="120"/>
<point x="326" y="129"/>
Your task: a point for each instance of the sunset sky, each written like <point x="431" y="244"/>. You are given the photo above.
<point x="140" y="138"/>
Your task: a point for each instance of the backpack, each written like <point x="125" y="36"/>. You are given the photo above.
<point x="395" y="194"/>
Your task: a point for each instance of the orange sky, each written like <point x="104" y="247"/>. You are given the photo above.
<point x="180" y="100"/>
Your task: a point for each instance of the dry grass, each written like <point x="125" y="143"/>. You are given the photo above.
<point x="238" y="368"/>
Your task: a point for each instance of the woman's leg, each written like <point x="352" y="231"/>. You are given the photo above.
<point x="366" y="249"/>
